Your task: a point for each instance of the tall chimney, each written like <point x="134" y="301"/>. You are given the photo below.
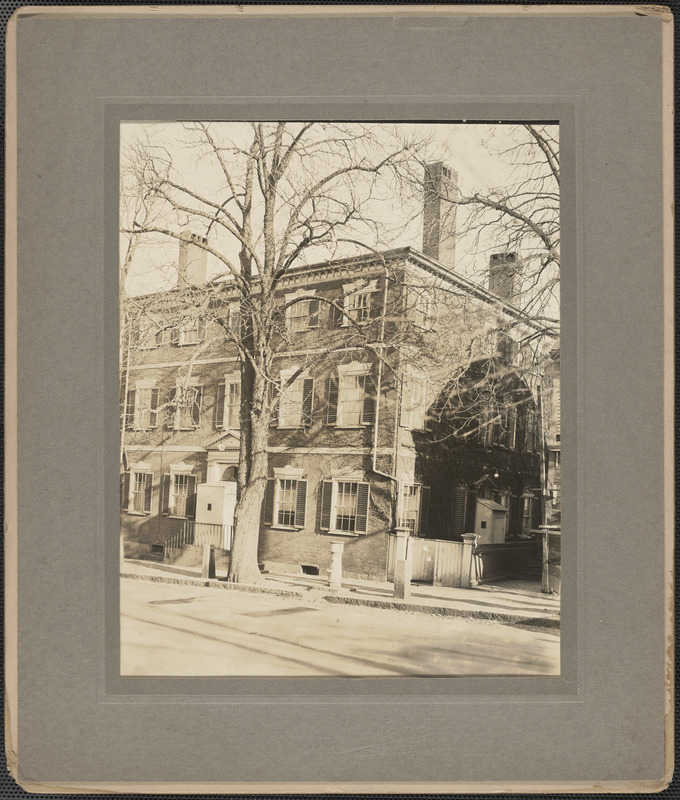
<point x="192" y="262"/>
<point x="503" y="269"/>
<point x="439" y="214"/>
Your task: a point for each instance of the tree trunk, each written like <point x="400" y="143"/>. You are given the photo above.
<point x="243" y="567"/>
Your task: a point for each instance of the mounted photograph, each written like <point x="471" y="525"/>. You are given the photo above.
<point x="340" y="398"/>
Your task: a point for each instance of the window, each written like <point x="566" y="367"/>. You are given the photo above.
<point x="526" y="514"/>
<point x="414" y="404"/>
<point x="184" y="407"/>
<point x="362" y="301"/>
<point x="150" y="335"/>
<point x="228" y="404"/>
<point x="302" y="315"/>
<point x="503" y="429"/>
<point x="351" y="397"/>
<point x="189" y="333"/>
<point x="137" y="492"/>
<point x="285" y="502"/>
<point x="293" y="408"/>
<point x="179" y="494"/>
<point x="414" y="508"/>
<point x="141" y="412"/>
<point x="421" y="307"/>
<point x="344" y="506"/>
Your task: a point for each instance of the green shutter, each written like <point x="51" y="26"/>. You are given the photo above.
<point x="219" y="405"/>
<point x="424" y="516"/>
<point x="196" y="405"/>
<point x="148" y="492"/>
<point x="301" y="504"/>
<point x="153" y="412"/>
<point x="325" y="505"/>
<point x="269" y="502"/>
<point x="307" y="400"/>
<point x="375" y="307"/>
<point x="275" y="399"/>
<point x="368" y="412"/>
<point x="459" y="503"/>
<point x="361" y="525"/>
<point x="191" y="496"/>
<point x="125" y="491"/>
<point x="130" y="410"/>
<point x="165" y="500"/>
<point x="332" y="413"/>
<point x="171" y="408"/>
<point x="313" y="321"/>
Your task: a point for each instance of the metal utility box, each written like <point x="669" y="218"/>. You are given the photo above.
<point x="490" y="522"/>
<point x="215" y="503"/>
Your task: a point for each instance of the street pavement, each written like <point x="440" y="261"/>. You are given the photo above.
<point x="189" y="629"/>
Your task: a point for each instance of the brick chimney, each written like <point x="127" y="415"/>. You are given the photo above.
<point x="503" y="269"/>
<point x="192" y="263"/>
<point x="439" y="215"/>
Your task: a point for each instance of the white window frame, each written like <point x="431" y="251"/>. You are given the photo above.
<point x="138" y="411"/>
<point x="148" y="335"/>
<point x="301" y="307"/>
<point x="194" y="326"/>
<point x="415" y="530"/>
<point x="353" y="293"/>
<point x="295" y="476"/>
<point x="179" y="471"/>
<point x="135" y="470"/>
<point x="178" y="412"/>
<point x="292" y="396"/>
<point x="231" y="413"/>
<point x="422" y="307"/>
<point x="353" y="370"/>
<point x="352" y="479"/>
<point x="414" y="403"/>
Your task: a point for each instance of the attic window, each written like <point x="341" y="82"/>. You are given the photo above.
<point x="447" y="172"/>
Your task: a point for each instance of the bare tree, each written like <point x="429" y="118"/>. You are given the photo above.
<point x="272" y="196"/>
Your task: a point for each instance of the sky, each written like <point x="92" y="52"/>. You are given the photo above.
<point x="462" y="146"/>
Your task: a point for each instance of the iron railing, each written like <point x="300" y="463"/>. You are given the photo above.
<point x="199" y="533"/>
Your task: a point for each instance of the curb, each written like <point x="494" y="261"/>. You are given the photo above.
<point x="394" y="605"/>
<point x="213" y="583"/>
<point x="445" y="611"/>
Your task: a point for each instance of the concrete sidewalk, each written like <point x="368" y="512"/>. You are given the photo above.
<point x="513" y="606"/>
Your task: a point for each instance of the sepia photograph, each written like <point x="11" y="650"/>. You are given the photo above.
<point x="340" y="398"/>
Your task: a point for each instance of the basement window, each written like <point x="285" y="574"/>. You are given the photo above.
<point x="308" y="569"/>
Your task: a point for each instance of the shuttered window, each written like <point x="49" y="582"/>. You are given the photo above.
<point x="285" y="503"/>
<point x="184" y="407"/>
<point x="302" y="316"/>
<point x="414" y="508"/>
<point x="179" y="495"/>
<point x="351" y="400"/>
<point x="296" y="400"/>
<point x="228" y="405"/>
<point x="344" y="506"/>
<point x="460" y="499"/>
<point x="140" y="492"/>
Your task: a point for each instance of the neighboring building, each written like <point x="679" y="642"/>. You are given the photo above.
<point x="552" y="422"/>
<point x="370" y="430"/>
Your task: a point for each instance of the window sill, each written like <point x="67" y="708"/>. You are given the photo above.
<point x="139" y="513"/>
<point x="174" y="516"/>
<point x="348" y="534"/>
<point x="353" y="427"/>
<point x="284" y="528"/>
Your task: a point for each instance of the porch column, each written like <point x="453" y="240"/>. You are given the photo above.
<point x="466" y="579"/>
<point x="335" y="577"/>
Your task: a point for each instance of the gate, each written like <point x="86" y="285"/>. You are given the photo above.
<point x="437" y="561"/>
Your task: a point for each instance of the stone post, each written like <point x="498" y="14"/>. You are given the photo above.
<point x="466" y="578"/>
<point x="402" y="565"/>
<point x="208" y="569"/>
<point x="335" y="577"/>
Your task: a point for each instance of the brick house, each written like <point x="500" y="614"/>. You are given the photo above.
<point x="364" y="436"/>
